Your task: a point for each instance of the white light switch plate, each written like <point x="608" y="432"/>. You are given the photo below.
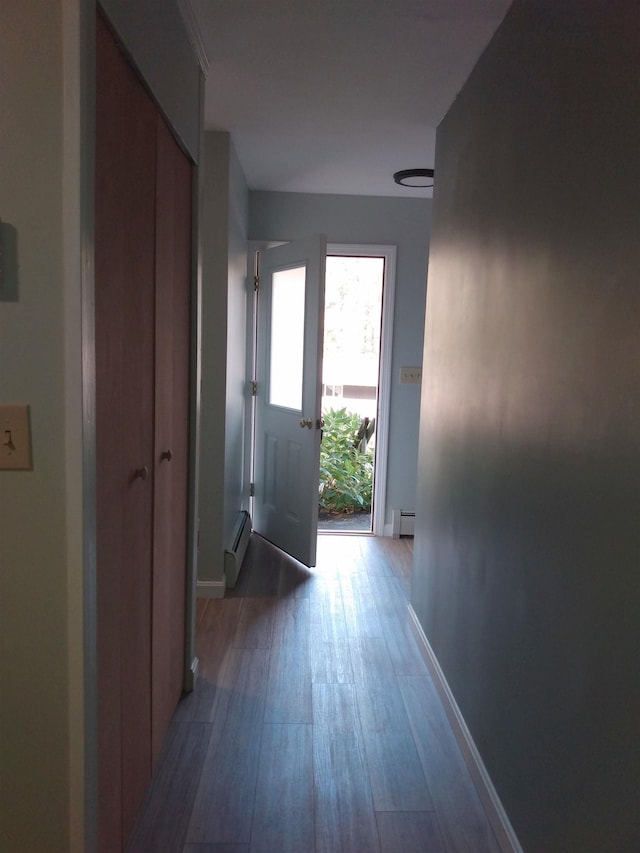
<point x="410" y="375"/>
<point x="15" y="437"/>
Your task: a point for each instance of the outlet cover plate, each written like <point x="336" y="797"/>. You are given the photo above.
<point x="410" y="375"/>
<point x="15" y="437"/>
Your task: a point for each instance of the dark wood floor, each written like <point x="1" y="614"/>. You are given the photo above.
<point x="315" y="725"/>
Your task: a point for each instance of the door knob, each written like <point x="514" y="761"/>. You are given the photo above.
<point x="306" y="422"/>
<point x="166" y="454"/>
<point x="141" y="473"/>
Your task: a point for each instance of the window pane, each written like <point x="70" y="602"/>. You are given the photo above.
<point x="287" y="338"/>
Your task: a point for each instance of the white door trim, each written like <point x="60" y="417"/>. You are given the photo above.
<point x="387" y="252"/>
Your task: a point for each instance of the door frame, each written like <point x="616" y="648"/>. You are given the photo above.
<point x="388" y="252"/>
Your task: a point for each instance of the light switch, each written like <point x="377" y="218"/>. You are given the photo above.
<point x="410" y="375"/>
<point x="15" y="438"/>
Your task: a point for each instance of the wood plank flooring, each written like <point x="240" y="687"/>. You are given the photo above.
<point x="314" y="726"/>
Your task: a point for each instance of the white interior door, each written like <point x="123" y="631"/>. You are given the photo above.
<point x="288" y="399"/>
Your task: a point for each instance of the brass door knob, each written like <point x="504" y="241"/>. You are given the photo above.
<point x="306" y="422"/>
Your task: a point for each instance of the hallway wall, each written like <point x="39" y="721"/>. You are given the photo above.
<point x="40" y="509"/>
<point x="528" y="534"/>
<point x="224" y="266"/>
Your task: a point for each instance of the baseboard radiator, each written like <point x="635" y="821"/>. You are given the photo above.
<point x="404" y="523"/>
<point x="233" y="558"/>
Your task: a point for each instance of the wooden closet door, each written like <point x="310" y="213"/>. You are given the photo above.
<point x="124" y="315"/>
<point x="171" y="457"/>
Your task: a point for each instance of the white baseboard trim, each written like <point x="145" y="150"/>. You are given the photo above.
<point x="496" y="814"/>
<point x="211" y="589"/>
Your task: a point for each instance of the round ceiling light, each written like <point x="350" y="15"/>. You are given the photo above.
<point x="414" y="178"/>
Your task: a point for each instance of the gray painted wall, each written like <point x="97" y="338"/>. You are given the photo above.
<point x="32" y="503"/>
<point x="528" y="537"/>
<point x="224" y="258"/>
<point x="236" y="346"/>
<point x="370" y="219"/>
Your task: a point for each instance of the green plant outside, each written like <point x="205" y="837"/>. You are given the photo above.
<point x="346" y="473"/>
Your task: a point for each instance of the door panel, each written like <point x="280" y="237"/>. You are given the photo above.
<point x="111" y="88"/>
<point x="136" y="412"/>
<point x="172" y="348"/>
<point x="124" y="260"/>
<point x="142" y="328"/>
<point x="289" y="359"/>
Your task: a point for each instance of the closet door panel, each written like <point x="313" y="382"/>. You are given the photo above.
<point x="125" y="271"/>
<point x="111" y="86"/>
<point x="137" y="450"/>
<point x="173" y="286"/>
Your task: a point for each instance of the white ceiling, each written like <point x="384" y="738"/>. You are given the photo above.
<point x="334" y="96"/>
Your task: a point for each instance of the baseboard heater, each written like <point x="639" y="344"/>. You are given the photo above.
<point x="404" y="523"/>
<point x="233" y="558"/>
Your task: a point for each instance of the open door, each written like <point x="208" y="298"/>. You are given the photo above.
<point x="288" y="425"/>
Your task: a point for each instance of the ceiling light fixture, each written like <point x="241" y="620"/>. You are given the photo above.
<point x="414" y="178"/>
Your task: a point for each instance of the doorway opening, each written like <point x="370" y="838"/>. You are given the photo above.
<point x="282" y="460"/>
<point x="353" y="332"/>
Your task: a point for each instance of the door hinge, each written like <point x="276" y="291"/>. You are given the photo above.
<point x="254" y="388"/>
<point x="252" y="490"/>
<point x="256" y="283"/>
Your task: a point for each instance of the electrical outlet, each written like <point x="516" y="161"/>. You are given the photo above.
<point x="15" y="438"/>
<point x="410" y="375"/>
